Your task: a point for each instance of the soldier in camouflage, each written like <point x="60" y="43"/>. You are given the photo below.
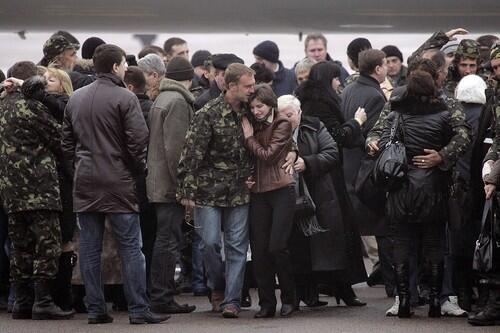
<point x="213" y="169"/>
<point x="494" y="103"/>
<point x="490" y="314"/>
<point x="465" y="62"/>
<point x="29" y="189"/>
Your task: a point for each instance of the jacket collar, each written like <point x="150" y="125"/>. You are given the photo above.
<point x="369" y="81"/>
<point x="172" y="85"/>
<point x="111" y="78"/>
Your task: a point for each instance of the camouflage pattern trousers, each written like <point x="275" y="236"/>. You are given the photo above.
<point x="36" y="244"/>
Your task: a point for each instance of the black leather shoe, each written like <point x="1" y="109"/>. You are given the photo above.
<point x="101" y="319"/>
<point x="265" y="313"/>
<point x="246" y="301"/>
<point x="489" y="316"/>
<point x="173" y="308"/>
<point x="149" y="318"/>
<point x="316" y="304"/>
<point x="287" y="310"/>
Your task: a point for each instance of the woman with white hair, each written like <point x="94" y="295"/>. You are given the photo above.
<point x="324" y="257"/>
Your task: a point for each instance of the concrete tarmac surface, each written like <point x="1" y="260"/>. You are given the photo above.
<point x="332" y="318"/>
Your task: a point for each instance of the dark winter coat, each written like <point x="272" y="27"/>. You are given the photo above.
<point x="340" y="247"/>
<point x="212" y="93"/>
<point x="284" y="82"/>
<point x="146" y="105"/>
<point x="423" y="197"/>
<point x="364" y="92"/>
<point x="105" y="136"/>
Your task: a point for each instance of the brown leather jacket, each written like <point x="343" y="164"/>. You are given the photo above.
<point x="270" y="144"/>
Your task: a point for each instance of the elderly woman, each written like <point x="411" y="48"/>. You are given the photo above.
<point x="325" y="257"/>
<point x="272" y="201"/>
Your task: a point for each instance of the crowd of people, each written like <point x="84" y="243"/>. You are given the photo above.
<point x="129" y="179"/>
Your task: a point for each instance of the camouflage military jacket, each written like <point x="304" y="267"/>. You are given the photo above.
<point x="436" y="41"/>
<point x="495" y="108"/>
<point x="29" y="143"/>
<point x="458" y="143"/>
<point x="214" y="164"/>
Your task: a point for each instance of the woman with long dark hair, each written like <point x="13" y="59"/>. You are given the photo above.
<point x="417" y="208"/>
<point x="319" y="99"/>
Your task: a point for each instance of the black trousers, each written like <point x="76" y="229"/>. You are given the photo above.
<point x="431" y="235"/>
<point x="271" y="218"/>
<point x="168" y="237"/>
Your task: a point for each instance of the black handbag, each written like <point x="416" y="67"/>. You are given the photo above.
<point x="305" y="211"/>
<point x="304" y="204"/>
<point x="485" y="244"/>
<point x="391" y="165"/>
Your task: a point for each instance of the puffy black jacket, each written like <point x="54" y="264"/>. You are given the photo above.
<point x="425" y="125"/>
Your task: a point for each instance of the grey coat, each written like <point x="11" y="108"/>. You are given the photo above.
<point x="169" y="120"/>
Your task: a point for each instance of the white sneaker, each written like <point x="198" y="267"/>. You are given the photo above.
<point x="451" y="308"/>
<point x="393" y="311"/>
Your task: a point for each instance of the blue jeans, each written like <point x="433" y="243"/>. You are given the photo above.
<point x="198" y="274"/>
<point x="126" y="229"/>
<point x="234" y="221"/>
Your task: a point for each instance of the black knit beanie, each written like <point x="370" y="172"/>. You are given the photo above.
<point x="355" y="47"/>
<point x="267" y="50"/>
<point x="392" y="51"/>
<point x="179" y="69"/>
<point x="89" y="47"/>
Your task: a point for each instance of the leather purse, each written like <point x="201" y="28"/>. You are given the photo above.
<point x="485" y="244"/>
<point x="304" y="204"/>
<point x="391" y="166"/>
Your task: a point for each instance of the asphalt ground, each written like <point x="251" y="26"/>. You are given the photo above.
<point x="332" y="318"/>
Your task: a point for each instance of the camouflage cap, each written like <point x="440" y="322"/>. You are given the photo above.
<point x="468" y="48"/>
<point x="495" y="51"/>
<point x="56" y="45"/>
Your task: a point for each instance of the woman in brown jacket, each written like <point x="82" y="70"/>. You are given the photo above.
<point x="272" y="202"/>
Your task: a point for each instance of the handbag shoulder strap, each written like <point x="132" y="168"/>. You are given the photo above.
<point x="488" y="206"/>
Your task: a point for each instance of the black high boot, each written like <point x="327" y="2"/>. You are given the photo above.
<point x="434" y="296"/>
<point x="63" y="295"/>
<point x="44" y="308"/>
<point x="403" y="281"/>
<point x="24" y="300"/>
<point x="464" y="285"/>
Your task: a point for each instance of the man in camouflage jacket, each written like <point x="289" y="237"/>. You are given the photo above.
<point x="29" y="189"/>
<point x="213" y="169"/>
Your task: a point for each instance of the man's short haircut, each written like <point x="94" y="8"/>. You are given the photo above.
<point x="152" y="63"/>
<point x="105" y="56"/>
<point x="304" y="65"/>
<point x="135" y="77"/>
<point x="235" y="71"/>
<point x="487" y="40"/>
<point x="369" y="60"/>
<point x="286" y="101"/>
<point x="439" y="58"/>
<point x="151" y="49"/>
<point x="315" y="36"/>
<point x="22" y="70"/>
<point x="169" y="44"/>
<point x="2" y="76"/>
